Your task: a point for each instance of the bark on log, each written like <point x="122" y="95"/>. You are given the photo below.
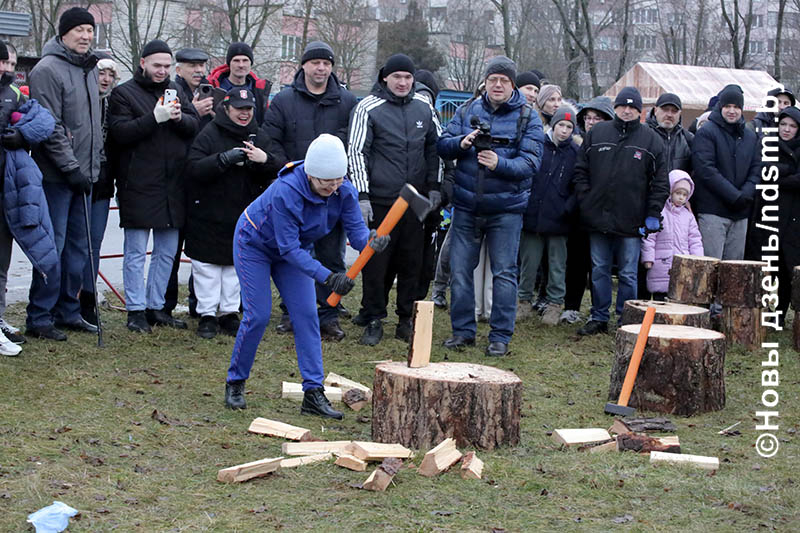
<point x="666" y="313"/>
<point x="740" y="283"/>
<point x="479" y="406"/>
<point x="796" y="288"/>
<point x="796" y="331"/>
<point x="682" y="369"/>
<point x="693" y="279"/>
<point x="742" y="325"/>
<point x="632" y="442"/>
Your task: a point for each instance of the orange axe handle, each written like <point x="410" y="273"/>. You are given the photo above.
<point x="636" y="358"/>
<point x="387" y="225"/>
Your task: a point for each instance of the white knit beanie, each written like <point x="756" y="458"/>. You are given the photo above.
<point x="326" y="158"/>
<point x="107" y="63"/>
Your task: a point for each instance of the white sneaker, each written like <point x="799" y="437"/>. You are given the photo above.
<point x="570" y="317"/>
<point x="7" y="347"/>
<point x="6" y="327"/>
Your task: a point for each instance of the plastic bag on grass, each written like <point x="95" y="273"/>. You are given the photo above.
<point x="53" y="518"/>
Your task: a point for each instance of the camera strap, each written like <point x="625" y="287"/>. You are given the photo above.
<point x="522" y="124"/>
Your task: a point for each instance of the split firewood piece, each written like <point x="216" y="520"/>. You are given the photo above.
<point x="709" y="463"/>
<point x="294" y="391"/>
<point x="314" y="448"/>
<point x="610" y="446"/>
<point x="641" y="425"/>
<point x="337" y="381"/>
<point x="352" y="462"/>
<point x="440" y="458"/>
<point x="273" y="428"/>
<point x="471" y="466"/>
<point x="380" y="478"/>
<point x="581" y="436"/>
<point x="239" y="473"/>
<point x="644" y="444"/>
<point x="306" y="460"/>
<point x="377" y="451"/>
<point x="419" y="349"/>
<point x="355" y="399"/>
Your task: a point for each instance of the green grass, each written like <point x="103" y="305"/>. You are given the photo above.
<point x="76" y="426"/>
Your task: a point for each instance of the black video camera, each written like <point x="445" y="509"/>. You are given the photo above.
<point x="484" y="140"/>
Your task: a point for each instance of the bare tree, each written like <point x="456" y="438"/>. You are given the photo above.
<point x="346" y="25"/>
<point x="308" y="6"/>
<point x="623" y="55"/>
<point x="44" y="20"/>
<point x="776" y="69"/>
<point x="470" y="33"/>
<point x="138" y="22"/>
<point x="247" y="19"/>
<point x="737" y="24"/>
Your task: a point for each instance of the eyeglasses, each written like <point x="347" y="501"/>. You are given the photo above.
<point x="498" y="80"/>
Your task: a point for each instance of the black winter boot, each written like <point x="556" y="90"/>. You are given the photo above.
<point x="234" y="395"/>
<point x="315" y="403"/>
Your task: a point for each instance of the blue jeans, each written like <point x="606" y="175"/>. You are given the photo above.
<point x="255" y="266"/>
<point x="605" y="250"/>
<point x="57" y="299"/>
<point x="502" y="233"/>
<point x="97" y="224"/>
<point x="165" y="244"/>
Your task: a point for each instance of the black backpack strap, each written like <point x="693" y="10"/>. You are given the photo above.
<point x="522" y="123"/>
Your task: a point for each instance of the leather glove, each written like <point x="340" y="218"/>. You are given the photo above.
<point x="743" y="202"/>
<point x="366" y="210"/>
<point x="339" y="283"/>
<point x="378" y="244"/>
<point x="12" y="139"/>
<point x="435" y="198"/>
<point x="651" y="225"/>
<point x="231" y="157"/>
<point x="78" y="182"/>
<point x="161" y="112"/>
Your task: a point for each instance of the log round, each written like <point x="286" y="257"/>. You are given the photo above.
<point x="479" y="406"/>
<point x="666" y="313"/>
<point x="796" y="331"/>
<point x="693" y="279"/>
<point x="742" y="325"/>
<point x="740" y="283"/>
<point x="682" y="370"/>
<point x="796" y="288"/>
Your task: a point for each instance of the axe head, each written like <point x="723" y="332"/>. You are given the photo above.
<point x="420" y="205"/>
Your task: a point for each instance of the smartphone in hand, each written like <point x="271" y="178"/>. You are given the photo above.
<point x="170" y="95"/>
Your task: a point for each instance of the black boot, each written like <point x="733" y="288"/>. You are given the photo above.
<point x="88" y="310"/>
<point x="234" y="395"/>
<point x="207" y="328"/>
<point x="159" y="317"/>
<point x="229" y="324"/>
<point x="285" y="325"/>
<point x="315" y="403"/>
<point x="373" y="333"/>
<point x="404" y="330"/>
<point x="138" y="322"/>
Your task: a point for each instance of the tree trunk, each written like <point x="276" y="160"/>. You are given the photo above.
<point x="740" y="283"/>
<point x="666" y="313"/>
<point x="742" y="325"/>
<point x="682" y="369"/>
<point x="479" y="406"/>
<point x="693" y="279"/>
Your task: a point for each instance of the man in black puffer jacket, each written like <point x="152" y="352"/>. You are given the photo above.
<point x="621" y="184"/>
<point x="151" y="140"/>
<point x="393" y="134"/>
<point x="665" y="119"/>
<point x="315" y="103"/>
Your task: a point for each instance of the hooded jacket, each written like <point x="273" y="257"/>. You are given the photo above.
<point x="552" y="199"/>
<point x="680" y="235"/>
<point x="677" y="144"/>
<point x="296" y="117"/>
<point x="620" y="177"/>
<point x="392" y="141"/>
<point x="601" y="104"/>
<point x="507" y="188"/>
<point x="286" y="220"/>
<point x="726" y="166"/>
<point x="65" y="83"/>
<point x="216" y="195"/>
<point x="260" y="88"/>
<point x="151" y="156"/>
<point x="24" y="202"/>
<point x="10" y="100"/>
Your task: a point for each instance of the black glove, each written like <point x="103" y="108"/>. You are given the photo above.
<point x="447" y="192"/>
<point x="12" y="139"/>
<point x="743" y="202"/>
<point x="378" y="244"/>
<point x="435" y="198"/>
<point x="231" y="157"/>
<point x="339" y="283"/>
<point x="78" y="182"/>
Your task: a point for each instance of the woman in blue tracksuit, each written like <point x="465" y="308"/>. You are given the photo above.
<point x="273" y="238"/>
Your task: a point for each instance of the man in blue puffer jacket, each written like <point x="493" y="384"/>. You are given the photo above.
<point x="490" y="193"/>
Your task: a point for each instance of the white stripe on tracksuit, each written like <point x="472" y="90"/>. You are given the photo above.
<point x="359" y="127"/>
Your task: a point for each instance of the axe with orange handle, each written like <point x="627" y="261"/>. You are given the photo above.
<point x="621" y="407"/>
<point x="409" y="198"/>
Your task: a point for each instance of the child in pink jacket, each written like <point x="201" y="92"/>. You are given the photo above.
<point x="679" y="236"/>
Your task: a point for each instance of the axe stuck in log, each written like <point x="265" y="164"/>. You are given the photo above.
<point x="409" y="198"/>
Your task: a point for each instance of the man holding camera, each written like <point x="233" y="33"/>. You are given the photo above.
<point x="496" y="141"/>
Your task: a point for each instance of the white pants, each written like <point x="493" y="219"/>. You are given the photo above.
<point x="215" y="286"/>
<point x="483" y="280"/>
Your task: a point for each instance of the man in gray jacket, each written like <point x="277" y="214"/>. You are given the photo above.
<point x="65" y="82"/>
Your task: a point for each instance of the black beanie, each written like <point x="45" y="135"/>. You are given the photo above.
<point x="528" y="78"/>
<point x="501" y="65"/>
<point x="74" y="16"/>
<point x="629" y="96"/>
<point x="317" y="50"/>
<point x="398" y="63"/>
<point x="238" y="49"/>
<point x="731" y="94"/>
<point x="3" y="51"/>
<point x="426" y="78"/>
<point x="156" y="46"/>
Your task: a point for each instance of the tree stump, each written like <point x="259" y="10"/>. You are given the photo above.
<point x="666" y="313"/>
<point x="693" y="279"/>
<point x="796" y="288"/>
<point x="742" y="325"/>
<point x="796" y="331"/>
<point x="681" y="373"/>
<point x="740" y="283"/>
<point x="479" y="406"/>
